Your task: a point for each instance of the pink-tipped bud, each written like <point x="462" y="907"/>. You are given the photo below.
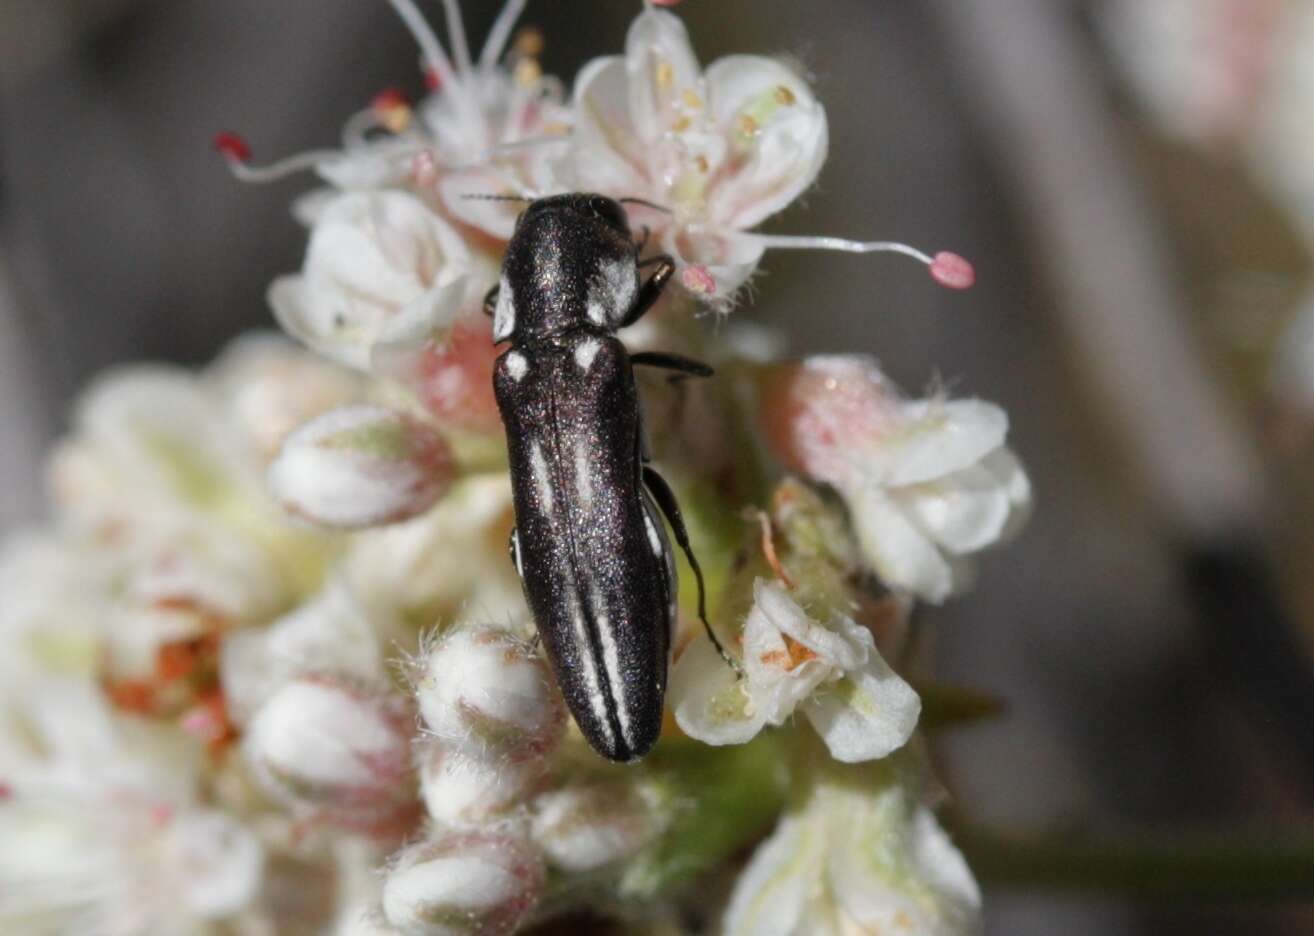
<point x="484" y="693"/>
<point x="463" y="884"/>
<point x="452" y="378"/>
<point x="583" y="828"/>
<point x="817" y="413"/>
<point x="952" y="271"/>
<point x="463" y="791"/>
<point x="232" y="146"/>
<point x="361" y="466"/>
<point x="392" y="109"/>
<point x="335" y="753"/>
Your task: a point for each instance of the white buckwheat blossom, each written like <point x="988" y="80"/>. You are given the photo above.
<point x="721" y="149"/>
<point x="860" y="855"/>
<point x="491" y="125"/>
<point x="830" y="672"/>
<point x="927" y="482"/>
<point x="381" y="270"/>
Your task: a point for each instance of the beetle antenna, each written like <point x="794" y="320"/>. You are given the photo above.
<point x="647" y="204"/>
<point x="481" y="196"/>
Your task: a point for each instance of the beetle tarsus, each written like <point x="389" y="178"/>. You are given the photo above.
<point x="490" y="301"/>
<point x="670" y="507"/>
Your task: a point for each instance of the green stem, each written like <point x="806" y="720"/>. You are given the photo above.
<point x="1217" y="865"/>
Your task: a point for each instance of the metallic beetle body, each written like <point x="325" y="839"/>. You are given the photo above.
<point x="589" y="543"/>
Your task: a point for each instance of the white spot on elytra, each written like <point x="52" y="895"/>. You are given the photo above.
<point x="516" y="366"/>
<point x="612" y="292"/>
<point x="586" y="351"/>
<point x="515" y="552"/>
<point x="504" y="313"/>
<point x="542" y="478"/>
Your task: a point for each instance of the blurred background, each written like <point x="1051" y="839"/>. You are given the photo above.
<point x="1140" y="253"/>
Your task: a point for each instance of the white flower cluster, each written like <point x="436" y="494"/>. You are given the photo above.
<point x="273" y="645"/>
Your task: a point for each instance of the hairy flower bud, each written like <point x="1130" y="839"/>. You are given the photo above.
<point x="460" y="790"/>
<point x="463" y="883"/>
<point x="361" y="466"/>
<point x="483" y="692"/>
<point x="451" y="376"/>
<point x="586" y="827"/>
<point x="335" y="753"/>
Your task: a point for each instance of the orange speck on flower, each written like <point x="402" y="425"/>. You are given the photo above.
<point x="691" y="98"/>
<point x="132" y="695"/>
<point x="784" y="96"/>
<point x="527" y="72"/>
<point x="664" y="75"/>
<point x="748" y="125"/>
<point x="529" y="42"/>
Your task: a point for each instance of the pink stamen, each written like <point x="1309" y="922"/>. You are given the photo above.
<point x="389" y="99"/>
<point x="232" y="146"/>
<point x="952" y="271"/>
<point x="698" y="279"/>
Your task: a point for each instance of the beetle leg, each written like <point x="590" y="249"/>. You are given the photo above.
<point x="665" y="498"/>
<point x="650" y="291"/>
<point x="490" y="301"/>
<point x="684" y="367"/>
<point x="643" y="242"/>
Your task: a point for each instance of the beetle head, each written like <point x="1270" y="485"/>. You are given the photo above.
<point x="571" y="263"/>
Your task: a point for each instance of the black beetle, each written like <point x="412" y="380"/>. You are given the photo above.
<point x="589" y="543"/>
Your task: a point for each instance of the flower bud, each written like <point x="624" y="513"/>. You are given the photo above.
<point x="451" y="376"/>
<point x="484" y="693"/>
<point x="335" y="752"/>
<point x="586" y="827"/>
<point x="460" y="790"/>
<point x="220" y="862"/>
<point x="361" y="466"/>
<point x="463" y="883"/>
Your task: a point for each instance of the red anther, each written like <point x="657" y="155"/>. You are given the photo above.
<point x="389" y="98"/>
<point x="432" y="80"/>
<point x="698" y="279"/>
<point x="950" y="270"/>
<point x="232" y="146"/>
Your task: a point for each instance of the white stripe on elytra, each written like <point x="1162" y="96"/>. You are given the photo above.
<point x="654" y="538"/>
<point x="542" y="478"/>
<point x="589" y="667"/>
<point x="611" y="660"/>
<point x="583" y="475"/>
<point x="515" y="550"/>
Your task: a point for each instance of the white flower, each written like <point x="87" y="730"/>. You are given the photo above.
<point x="861" y="856"/>
<point x="360" y="466"/>
<point x="927" y="482"/>
<point x="582" y="828"/>
<point x="381" y="269"/>
<point x="464" y="883"/>
<point x="102" y="822"/>
<point x="724" y="148"/>
<point x="831" y="672"/>
<point x="484" y="693"/>
<point x="335" y="752"/>
<point x="271" y="386"/>
<point x="495" y="125"/>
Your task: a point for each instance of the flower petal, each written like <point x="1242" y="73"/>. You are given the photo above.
<point x="940" y="437"/>
<point x="709" y="702"/>
<point x="773" y="892"/>
<point x="868" y="714"/>
<point x="660" y="65"/>
<point x="780" y="131"/>
<point x="608" y="156"/>
<point x="898" y="551"/>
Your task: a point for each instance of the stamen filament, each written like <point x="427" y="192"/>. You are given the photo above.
<point x="456" y="32"/>
<point x="839" y="243"/>
<point x="291" y="165"/>
<point x="499" y="34"/>
<point x="427" y="41"/>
